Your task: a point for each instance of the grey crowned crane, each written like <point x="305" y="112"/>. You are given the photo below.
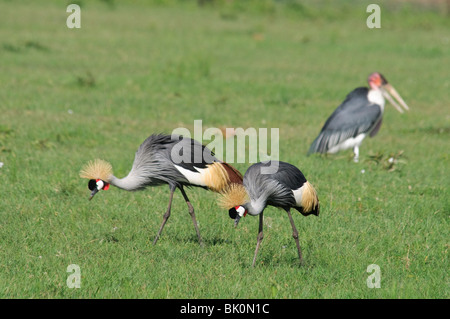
<point x="286" y="188"/>
<point x="359" y="115"/>
<point x="166" y="159"/>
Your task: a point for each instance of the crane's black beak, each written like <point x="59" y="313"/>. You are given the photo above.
<point x="92" y="185"/>
<point x="94" y="191"/>
<point x="234" y="215"/>
<point x="236" y="220"/>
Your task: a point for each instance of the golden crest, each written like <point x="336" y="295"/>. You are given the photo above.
<point x="97" y="169"/>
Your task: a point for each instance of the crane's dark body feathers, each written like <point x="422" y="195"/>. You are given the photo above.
<point x="154" y="162"/>
<point x="198" y="155"/>
<point x="276" y="188"/>
<point x="167" y="159"/>
<point x="287" y="188"/>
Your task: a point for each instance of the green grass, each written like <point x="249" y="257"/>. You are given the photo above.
<point x="69" y="96"/>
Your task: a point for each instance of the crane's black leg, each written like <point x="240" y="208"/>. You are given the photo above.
<point x="295" y="235"/>
<point x="192" y="213"/>
<point x="259" y="238"/>
<point x="166" y="215"/>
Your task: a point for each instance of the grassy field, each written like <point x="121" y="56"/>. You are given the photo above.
<point x="71" y="95"/>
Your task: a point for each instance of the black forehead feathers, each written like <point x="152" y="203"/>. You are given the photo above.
<point x="233" y="213"/>
<point x="92" y="184"/>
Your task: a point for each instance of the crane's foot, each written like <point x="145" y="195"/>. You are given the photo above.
<point x="165" y="218"/>
<point x="295" y="236"/>
<point x="259" y="238"/>
<point x="192" y="213"/>
<point x="197" y="230"/>
<point x="258" y="243"/>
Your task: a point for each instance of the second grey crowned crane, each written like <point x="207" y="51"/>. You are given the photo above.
<point x="166" y="159"/>
<point x="358" y="116"/>
<point x="286" y="188"/>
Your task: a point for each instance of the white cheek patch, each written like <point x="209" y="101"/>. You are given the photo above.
<point x="100" y="185"/>
<point x="241" y="211"/>
<point x="298" y="195"/>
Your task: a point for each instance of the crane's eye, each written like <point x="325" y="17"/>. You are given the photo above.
<point x="92" y="184"/>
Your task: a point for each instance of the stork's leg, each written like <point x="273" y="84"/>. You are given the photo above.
<point x="295" y="235"/>
<point x="166" y="215"/>
<point x="192" y="213"/>
<point x="356" y="152"/>
<point x="259" y="238"/>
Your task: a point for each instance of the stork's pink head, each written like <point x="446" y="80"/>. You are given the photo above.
<point x="378" y="82"/>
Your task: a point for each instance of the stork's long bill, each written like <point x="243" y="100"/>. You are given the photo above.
<point x="390" y="89"/>
<point x="377" y="80"/>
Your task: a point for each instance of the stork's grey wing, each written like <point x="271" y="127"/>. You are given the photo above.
<point x="356" y="115"/>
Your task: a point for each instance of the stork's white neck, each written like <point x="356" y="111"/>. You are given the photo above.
<point x="375" y="96"/>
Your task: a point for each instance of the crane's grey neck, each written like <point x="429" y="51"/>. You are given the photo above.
<point x="129" y="183"/>
<point x="255" y="207"/>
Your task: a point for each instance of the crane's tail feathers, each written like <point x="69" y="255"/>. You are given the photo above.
<point x="233" y="195"/>
<point x="310" y="200"/>
<point x="220" y="175"/>
<point x="97" y="169"/>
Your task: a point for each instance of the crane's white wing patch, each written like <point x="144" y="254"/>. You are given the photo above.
<point x="298" y="195"/>
<point x="193" y="177"/>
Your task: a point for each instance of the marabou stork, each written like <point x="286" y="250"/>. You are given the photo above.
<point x="359" y="115"/>
<point x="286" y="188"/>
<point x="155" y="164"/>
